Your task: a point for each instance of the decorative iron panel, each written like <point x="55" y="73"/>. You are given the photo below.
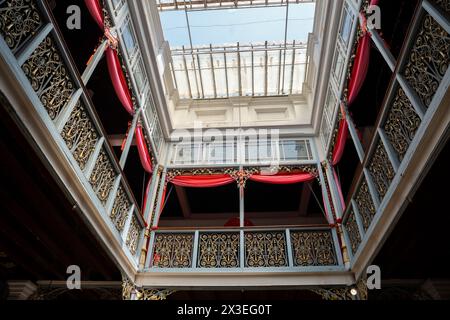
<point x="265" y="249"/>
<point x="173" y="250"/>
<point x="133" y="235"/>
<point x="428" y="60"/>
<point x="351" y="226"/>
<point x="313" y="248"/>
<point x="402" y="124"/>
<point x="49" y="77"/>
<point x="80" y="135"/>
<point x="19" y="22"/>
<point x="444" y="4"/>
<point x="102" y="177"/>
<point x="120" y="210"/>
<point x="366" y="207"/>
<point x="381" y="170"/>
<point x="218" y="250"/>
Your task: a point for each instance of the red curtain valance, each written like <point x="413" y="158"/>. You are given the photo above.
<point x="207" y="181"/>
<point x="217" y="180"/>
<point x="96" y="12"/>
<point x="144" y="155"/>
<point x="283" y="178"/>
<point x="341" y="140"/>
<point x="118" y="80"/>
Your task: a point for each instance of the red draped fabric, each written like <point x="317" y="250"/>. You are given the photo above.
<point x="360" y="68"/>
<point x="143" y="150"/>
<point x="114" y="68"/>
<point x="96" y="12"/>
<point x="118" y="80"/>
<point x="208" y="181"/>
<point x="356" y="81"/>
<point x="283" y="178"/>
<point x="341" y="140"/>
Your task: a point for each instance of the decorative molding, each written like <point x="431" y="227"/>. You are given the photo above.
<point x="131" y="292"/>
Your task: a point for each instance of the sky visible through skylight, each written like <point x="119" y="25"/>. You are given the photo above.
<point x="244" y="25"/>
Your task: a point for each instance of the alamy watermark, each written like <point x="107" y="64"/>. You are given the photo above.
<point x="73" y="22"/>
<point x="73" y="282"/>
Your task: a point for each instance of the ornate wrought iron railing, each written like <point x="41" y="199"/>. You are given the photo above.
<point x="35" y="51"/>
<point x="410" y="102"/>
<point x="296" y="249"/>
<point x="264" y="151"/>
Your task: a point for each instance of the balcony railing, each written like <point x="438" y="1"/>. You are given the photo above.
<point x="419" y="83"/>
<point x="231" y="151"/>
<point x="35" y="52"/>
<point x="250" y="249"/>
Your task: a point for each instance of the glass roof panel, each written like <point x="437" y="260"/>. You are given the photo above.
<point x="239" y="52"/>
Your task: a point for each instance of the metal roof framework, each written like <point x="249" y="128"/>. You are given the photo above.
<point x="238" y="70"/>
<point x="241" y="70"/>
<point x="190" y="5"/>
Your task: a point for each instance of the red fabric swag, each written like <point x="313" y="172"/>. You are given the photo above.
<point x="283" y="179"/>
<point x="208" y="181"/>
<point x="118" y="80"/>
<point x="96" y="12"/>
<point x="114" y="68"/>
<point x="360" y="68"/>
<point x="341" y="140"/>
<point x="144" y="155"/>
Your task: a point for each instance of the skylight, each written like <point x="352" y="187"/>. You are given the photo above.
<point x="238" y="49"/>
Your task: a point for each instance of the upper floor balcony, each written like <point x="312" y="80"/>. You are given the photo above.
<point x="73" y="116"/>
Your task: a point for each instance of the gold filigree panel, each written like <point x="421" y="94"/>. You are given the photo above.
<point x="401" y="124"/>
<point x="49" y="77"/>
<point x="351" y="226"/>
<point x="218" y="250"/>
<point x="19" y="22"/>
<point x="80" y="135"/>
<point x="313" y="248"/>
<point x="265" y="249"/>
<point x="102" y="177"/>
<point x="120" y="210"/>
<point x="366" y="207"/>
<point x="444" y="4"/>
<point x="173" y="250"/>
<point x="381" y="170"/>
<point x="428" y="60"/>
<point x="133" y="235"/>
